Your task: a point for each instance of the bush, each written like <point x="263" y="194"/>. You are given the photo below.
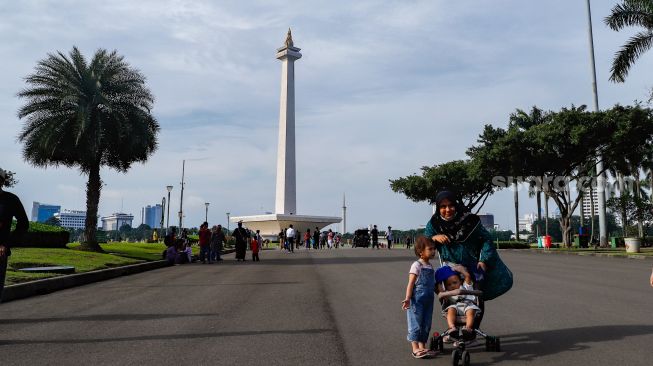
<point x="42" y="236"/>
<point x="513" y="244"/>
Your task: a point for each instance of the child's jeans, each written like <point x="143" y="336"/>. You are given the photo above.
<point x="420" y="313"/>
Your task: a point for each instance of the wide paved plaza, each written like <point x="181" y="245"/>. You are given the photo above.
<point x="339" y="307"/>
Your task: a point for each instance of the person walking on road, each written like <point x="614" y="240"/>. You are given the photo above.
<point x="307" y="239"/>
<point x="389" y="237"/>
<point x="255" y="246"/>
<point x="330" y="239"/>
<point x="205" y="243"/>
<point x="375" y="237"/>
<point x="316" y="238"/>
<point x="217" y="240"/>
<point x="241" y="236"/>
<point x="10" y="207"/>
<point x="290" y="235"/>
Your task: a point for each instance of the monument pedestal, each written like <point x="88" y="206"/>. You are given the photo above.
<point x="270" y="225"/>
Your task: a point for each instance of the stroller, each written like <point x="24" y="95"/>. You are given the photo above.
<point x="461" y="341"/>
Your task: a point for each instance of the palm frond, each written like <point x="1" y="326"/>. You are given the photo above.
<point x="628" y="54"/>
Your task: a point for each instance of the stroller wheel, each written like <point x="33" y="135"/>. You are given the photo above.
<point x="455" y="357"/>
<point x="466" y="358"/>
<point x="440" y="344"/>
<point x="497" y="345"/>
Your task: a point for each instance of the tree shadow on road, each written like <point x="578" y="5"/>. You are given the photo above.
<point x="526" y="347"/>
<point x="163" y="337"/>
<point x="309" y="261"/>
<point x="103" y="318"/>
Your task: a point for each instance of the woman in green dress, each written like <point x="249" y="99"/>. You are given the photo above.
<point x="461" y="239"/>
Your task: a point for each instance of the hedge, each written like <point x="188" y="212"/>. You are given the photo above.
<point x="42" y="236"/>
<point x="513" y="244"/>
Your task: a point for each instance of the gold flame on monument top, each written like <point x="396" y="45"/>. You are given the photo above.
<point x="289" y="42"/>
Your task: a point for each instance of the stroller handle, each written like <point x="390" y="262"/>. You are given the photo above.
<point x="457" y="292"/>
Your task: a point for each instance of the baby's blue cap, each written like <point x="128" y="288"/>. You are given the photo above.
<point x="443" y="273"/>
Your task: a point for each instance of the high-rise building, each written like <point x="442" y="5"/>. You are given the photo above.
<point x="72" y="219"/>
<point x="41" y="212"/>
<point x="116" y="221"/>
<point x="587" y="204"/>
<point x="487" y="220"/>
<point x="526" y="223"/>
<point x="153" y="216"/>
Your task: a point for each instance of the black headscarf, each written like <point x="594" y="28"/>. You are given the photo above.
<point x="461" y="225"/>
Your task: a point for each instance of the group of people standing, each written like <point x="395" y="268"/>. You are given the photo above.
<point x="242" y="237"/>
<point x="374" y="233"/>
<point x="179" y="249"/>
<point x="289" y="239"/>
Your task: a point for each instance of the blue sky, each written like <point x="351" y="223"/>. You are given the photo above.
<point x="383" y="88"/>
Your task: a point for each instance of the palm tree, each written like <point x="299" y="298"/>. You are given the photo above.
<point x="87" y="115"/>
<point x="631" y="13"/>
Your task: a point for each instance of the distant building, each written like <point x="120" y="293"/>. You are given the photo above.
<point x="153" y="216"/>
<point x="72" y="219"/>
<point x="41" y="212"/>
<point x="116" y="221"/>
<point x="587" y="204"/>
<point x="487" y="220"/>
<point x="526" y="223"/>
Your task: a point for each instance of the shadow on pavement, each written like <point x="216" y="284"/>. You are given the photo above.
<point x="103" y="318"/>
<point x="168" y="337"/>
<point x="210" y="284"/>
<point x="526" y="347"/>
<point x="290" y="260"/>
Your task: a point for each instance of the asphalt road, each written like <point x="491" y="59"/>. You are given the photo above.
<point x="339" y="307"/>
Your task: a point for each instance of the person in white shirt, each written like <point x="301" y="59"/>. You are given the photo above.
<point x="290" y="235"/>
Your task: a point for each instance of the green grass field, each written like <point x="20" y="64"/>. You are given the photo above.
<point x="117" y="254"/>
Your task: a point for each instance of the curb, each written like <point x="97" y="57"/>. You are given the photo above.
<point x="585" y="254"/>
<point x="49" y="285"/>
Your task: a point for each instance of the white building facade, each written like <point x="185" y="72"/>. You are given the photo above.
<point x="116" y="221"/>
<point x="72" y="219"/>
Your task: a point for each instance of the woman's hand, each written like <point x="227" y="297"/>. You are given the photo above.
<point x="405" y="304"/>
<point x="441" y="238"/>
<point x="651" y="278"/>
<point x="482" y="266"/>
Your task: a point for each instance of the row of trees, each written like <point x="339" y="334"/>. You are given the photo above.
<point x="550" y="151"/>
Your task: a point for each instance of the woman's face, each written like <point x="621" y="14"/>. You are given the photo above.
<point x="447" y="209"/>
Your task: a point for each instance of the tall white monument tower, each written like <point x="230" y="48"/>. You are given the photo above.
<point x="286" y="202"/>
<point x="286" y="191"/>
<point x="344" y="215"/>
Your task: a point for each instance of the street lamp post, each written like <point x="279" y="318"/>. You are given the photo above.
<point x="600" y="179"/>
<point x="206" y="214"/>
<point x="163" y="212"/>
<point x="228" y="213"/>
<point x="169" y="188"/>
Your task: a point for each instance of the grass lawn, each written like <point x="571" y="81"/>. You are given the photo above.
<point x="118" y="254"/>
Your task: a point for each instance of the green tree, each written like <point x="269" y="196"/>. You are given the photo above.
<point x="54" y="221"/>
<point x="465" y="177"/>
<point x="631" y="13"/>
<point x="10" y="181"/>
<point x="87" y="115"/>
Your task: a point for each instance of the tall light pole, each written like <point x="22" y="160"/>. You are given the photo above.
<point x="206" y="214"/>
<point x="228" y="213"/>
<point x="163" y="212"/>
<point x="600" y="179"/>
<point x="169" y="188"/>
<point x="181" y="200"/>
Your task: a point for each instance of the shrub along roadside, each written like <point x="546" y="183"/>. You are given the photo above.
<point x="42" y="236"/>
<point x="513" y="244"/>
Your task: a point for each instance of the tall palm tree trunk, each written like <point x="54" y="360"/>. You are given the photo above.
<point x="93" y="188"/>
<point x="516" y="211"/>
<point x="592" y="213"/>
<point x="622" y="191"/>
<point x="539" y="212"/>
<point x="640" y="223"/>
<point x="546" y="214"/>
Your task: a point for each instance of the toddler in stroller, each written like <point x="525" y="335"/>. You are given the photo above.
<point x="462" y="307"/>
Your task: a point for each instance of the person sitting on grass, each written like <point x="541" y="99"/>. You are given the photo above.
<point x="461" y="308"/>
